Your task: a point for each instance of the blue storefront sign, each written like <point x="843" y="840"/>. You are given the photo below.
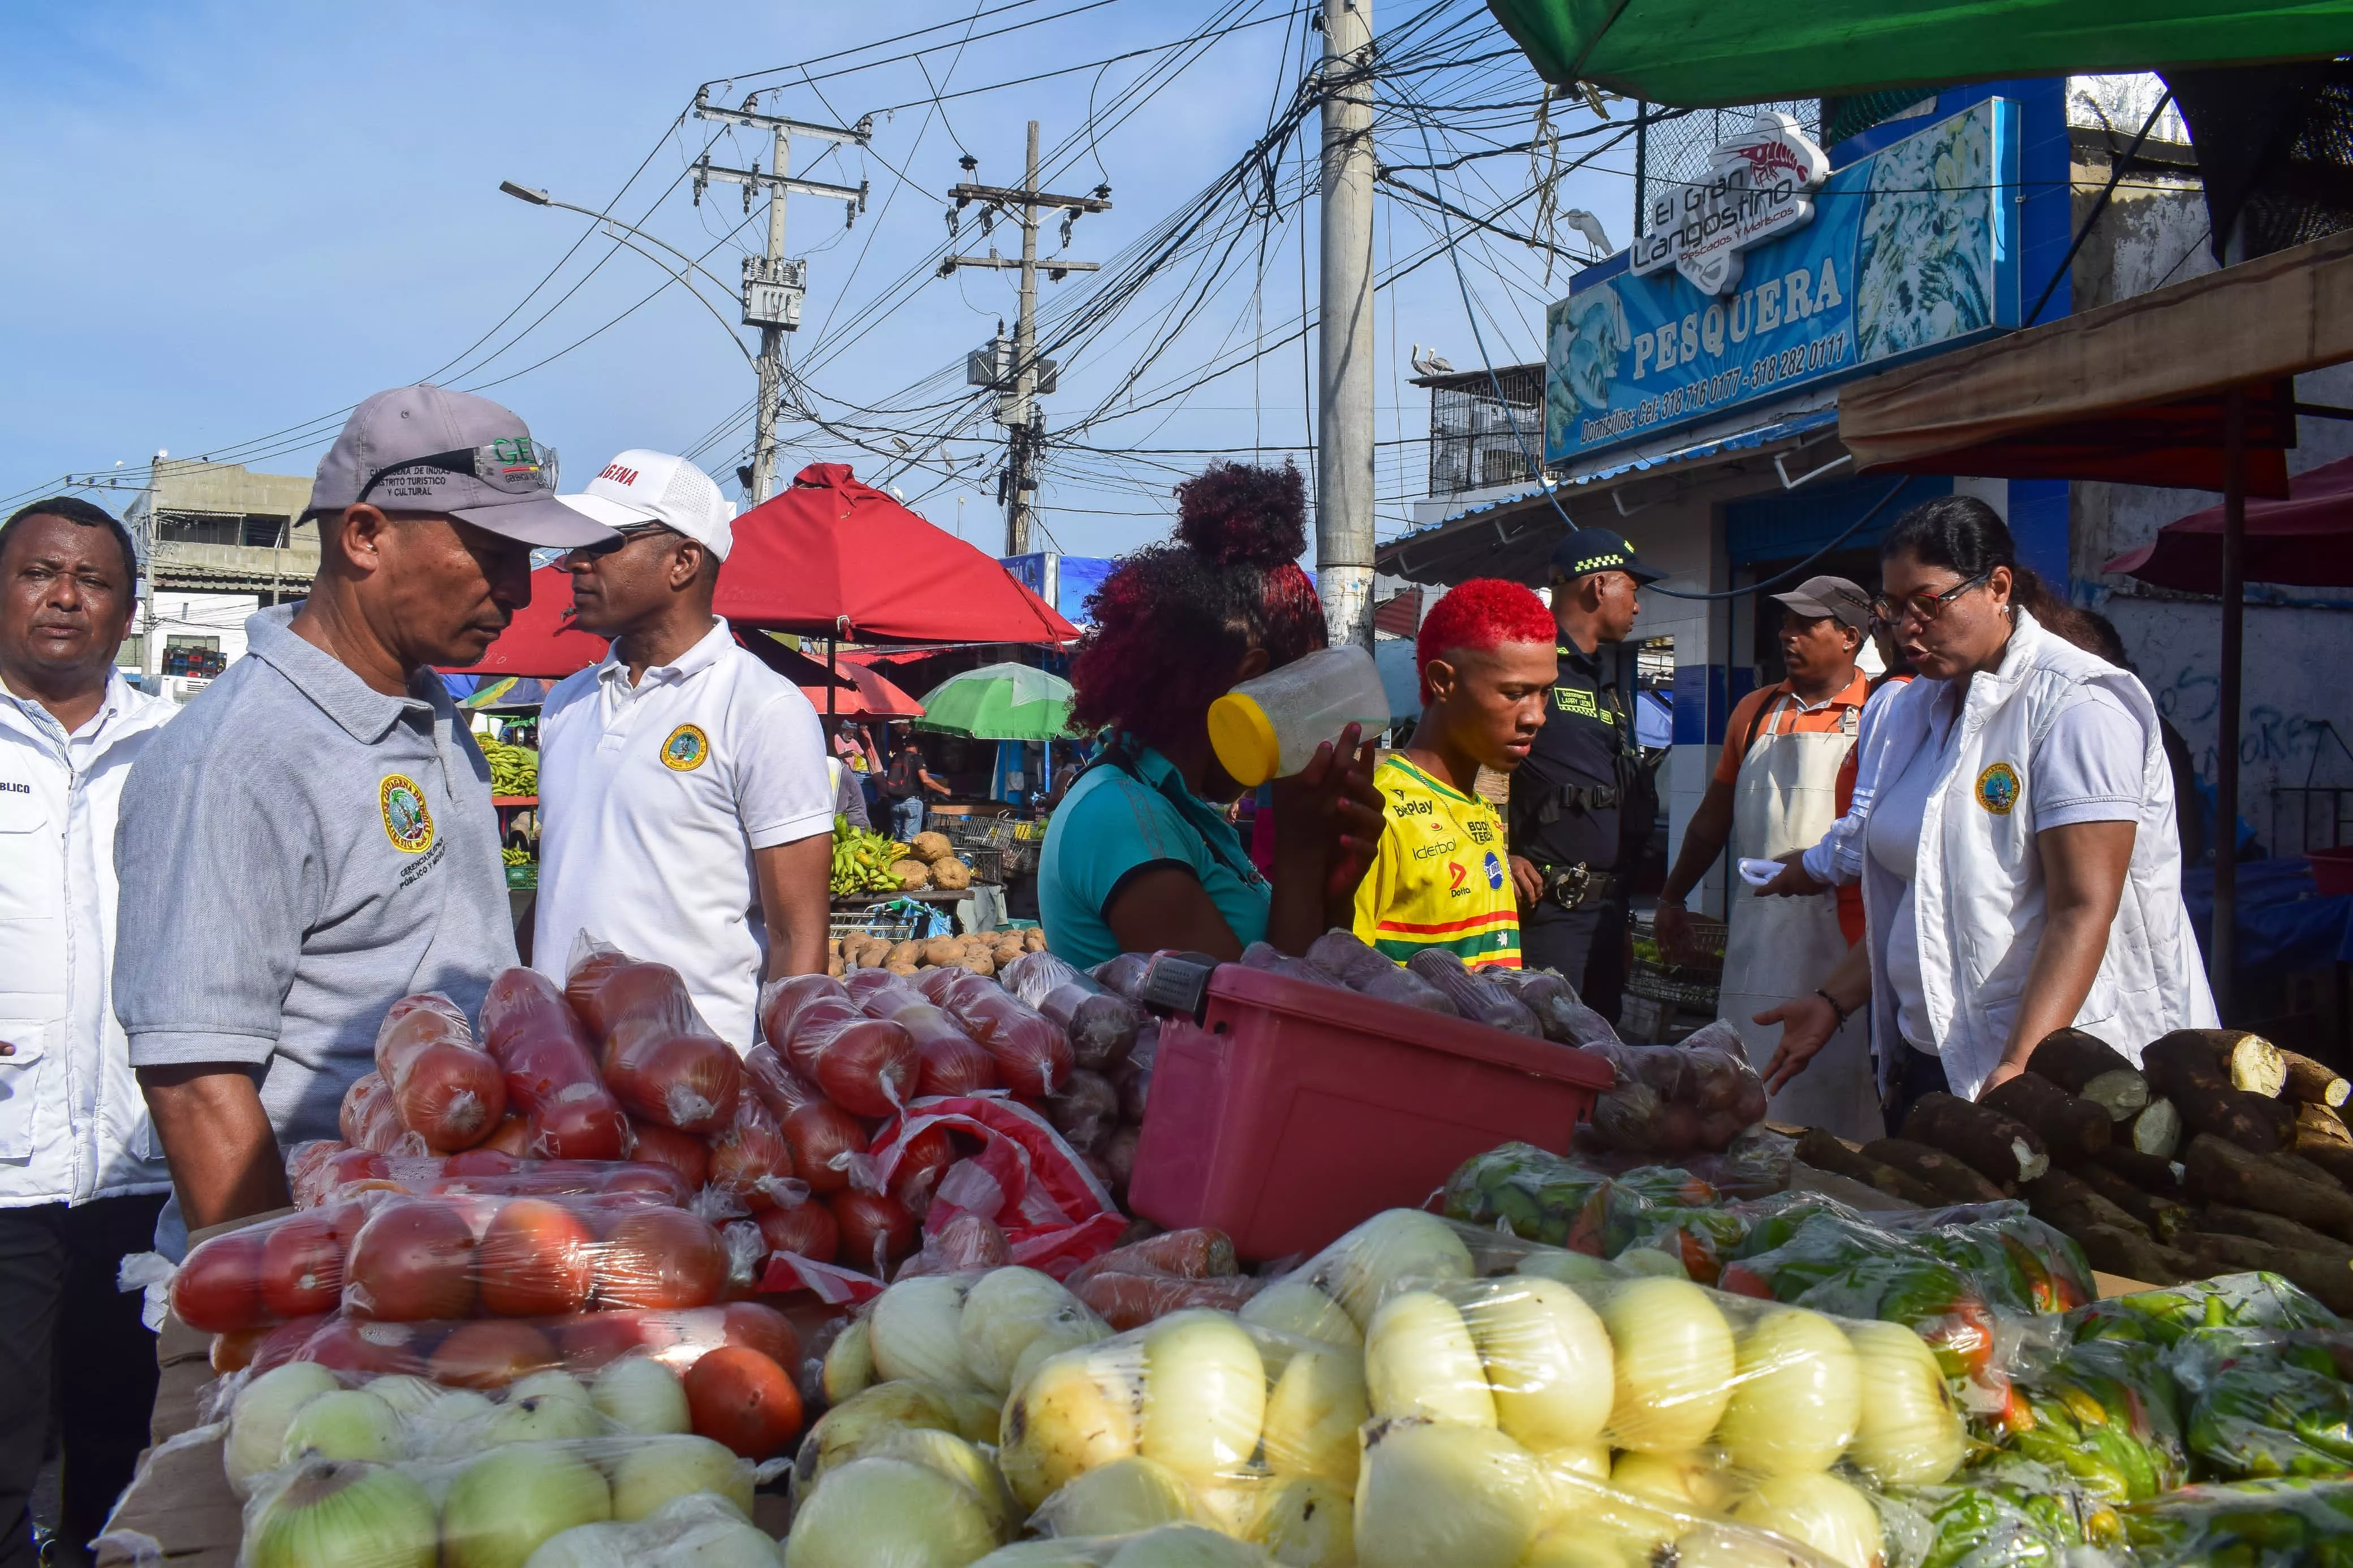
<point x="1911" y="250"/>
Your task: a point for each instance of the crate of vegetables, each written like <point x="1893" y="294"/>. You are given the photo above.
<point x="1285" y="1103"/>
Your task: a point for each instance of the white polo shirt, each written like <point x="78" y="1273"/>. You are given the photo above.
<point x="653" y="798"/>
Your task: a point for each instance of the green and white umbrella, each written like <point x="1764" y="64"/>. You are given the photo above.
<point x="999" y="702"/>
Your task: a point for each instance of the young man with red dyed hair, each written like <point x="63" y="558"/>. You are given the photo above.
<point x="1440" y="877"/>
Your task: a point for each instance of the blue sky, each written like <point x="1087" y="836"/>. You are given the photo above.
<point x="231" y="219"/>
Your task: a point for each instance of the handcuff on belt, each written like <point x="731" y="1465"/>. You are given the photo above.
<point x="1574" y="886"/>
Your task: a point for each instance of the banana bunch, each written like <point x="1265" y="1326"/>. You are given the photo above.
<point x="514" y="770"/>
<point x="863" y="859"/>
<point x="516" y="856"/>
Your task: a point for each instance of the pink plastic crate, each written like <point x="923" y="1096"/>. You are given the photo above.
<point x="1294" y="1111"/>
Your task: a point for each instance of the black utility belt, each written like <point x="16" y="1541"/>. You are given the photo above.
<point x="1576" y="887"/>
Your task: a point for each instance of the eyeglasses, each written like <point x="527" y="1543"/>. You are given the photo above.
<point x="514" y="465"/>
<point x="1922" y="606"/>
<point x="621" y="538"/>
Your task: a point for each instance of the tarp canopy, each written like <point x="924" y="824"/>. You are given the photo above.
<point x="2127" y="392"/>
<point x="833" y="557"/>
<point x="2306" y="541"/>
<point x="1703" y="53"/>
<point x="846" y="690"/>
<point x="542" y="640"/>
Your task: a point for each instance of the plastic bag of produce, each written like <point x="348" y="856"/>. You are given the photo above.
<point x="2227" y="1300"/>
<point x="319" y="1171"/>
<point x="283" y="1268"/>
<point x="700" y="1529"/>
<point x="867" y="1065"/>
<point x="1033" y="1055"/>
<point x="2259" y="1407"/>
<point x="2011" y="1513"/>
<point x="445" y="1088"/>
<point x="550" y="1071"/>
<point x="1560" y="1011"/>
<point x="828" y="1143"/>
<point x="507" y="1504"/>
<point x="2102" y="1413"/>
<point x="660" y="1059"/>
<point x="369" y="1119"/>
<point x="751" y="1160"/>
<point x="1274" y="961"/>
<point x="1475" y="997"/>
<point x="2263" y="1522"/>
<point x="951" y="1061"/>
<point x="1360" y="967"/>
<point x="1013" y="1170"/>
<point x="487" y="1354"/>
<point x="1132" y="1285"/>
<point x="1102" y="1025"/>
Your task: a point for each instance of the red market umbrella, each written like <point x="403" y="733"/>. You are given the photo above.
<point x="541" y="640"/>
<point x="2306" y="541"/>
<point x="834" y="558"/>
<point x="875" y="697"/>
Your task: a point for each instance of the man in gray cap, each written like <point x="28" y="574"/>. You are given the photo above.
<point x="313" y="838"/>
<point x="1787" y="773"/>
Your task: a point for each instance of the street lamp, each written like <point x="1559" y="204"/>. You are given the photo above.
<point x="605" y="221"/>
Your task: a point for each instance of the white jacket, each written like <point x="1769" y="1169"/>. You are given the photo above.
<point x="73" y="1125"/>
<point x="1978" y="895"/>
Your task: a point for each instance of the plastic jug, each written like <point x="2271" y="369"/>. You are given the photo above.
<point x="1269" y="726"/>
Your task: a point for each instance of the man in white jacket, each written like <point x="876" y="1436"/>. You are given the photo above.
<point x="80" y="1179"/>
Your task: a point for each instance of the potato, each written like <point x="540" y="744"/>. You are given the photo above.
<point x="979" y="963"/>
<point x="895" y="967"/>
<point x="1034" y="939"/>
<point x="902" y="953"/>
<point x="835" y="967"/>
<point x="833" y="947"/>
<point x="943" y="950"/>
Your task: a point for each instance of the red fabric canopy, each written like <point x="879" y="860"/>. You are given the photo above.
<point x="2306" y="540"/>
<point x="541" y="640"/>
<point x="833" y="557"/>
<point x="856" y="691"/>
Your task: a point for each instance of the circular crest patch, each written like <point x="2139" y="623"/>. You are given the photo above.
<point x="685" y="749"/>
<point x="408" y="821"/>
<point x="1997" y="789"/>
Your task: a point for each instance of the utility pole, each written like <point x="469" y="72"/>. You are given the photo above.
<point x="773" y="285"/>
<point x="1344" y="476"/>
<point x="1027" y="375"/>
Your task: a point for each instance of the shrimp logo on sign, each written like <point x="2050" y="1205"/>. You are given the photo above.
<point x="1997" y="789"/>
<point x="408" y="821"/>
<point x="684" y="750"/>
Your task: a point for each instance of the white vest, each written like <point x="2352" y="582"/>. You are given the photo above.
<point x="73" y="1125"/>
<point x="1978" y="895"/>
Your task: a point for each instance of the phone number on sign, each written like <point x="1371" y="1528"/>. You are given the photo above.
<point x="1802" y="360"/>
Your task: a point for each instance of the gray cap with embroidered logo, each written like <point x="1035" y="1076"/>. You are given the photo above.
<point x="427" y="448"/>
<point x="1835" y="597"/>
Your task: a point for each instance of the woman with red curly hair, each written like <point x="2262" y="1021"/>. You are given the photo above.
<point x="1140" y="855"/>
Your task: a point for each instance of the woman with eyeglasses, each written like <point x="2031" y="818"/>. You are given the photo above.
<point x="2013" y="831"/>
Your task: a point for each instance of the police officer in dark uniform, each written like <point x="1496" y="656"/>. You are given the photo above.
<point x="1582" y="801"/>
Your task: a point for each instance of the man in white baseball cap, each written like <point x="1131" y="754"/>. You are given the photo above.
<point x="686" y="812"/>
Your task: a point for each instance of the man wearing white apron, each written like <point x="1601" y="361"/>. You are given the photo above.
<point x="1786" y="775"/>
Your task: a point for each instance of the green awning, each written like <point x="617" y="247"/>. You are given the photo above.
<point x="1707" y="53"/>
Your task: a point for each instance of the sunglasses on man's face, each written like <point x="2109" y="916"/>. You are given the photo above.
<point x="622" y="538"/>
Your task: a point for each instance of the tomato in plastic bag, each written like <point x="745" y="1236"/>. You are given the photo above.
<point x="551" y="1070"/>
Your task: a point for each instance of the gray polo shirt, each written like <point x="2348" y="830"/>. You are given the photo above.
<point x="297" y="852"/>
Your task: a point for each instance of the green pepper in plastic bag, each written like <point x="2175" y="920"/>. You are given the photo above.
<point x="2246" y="1524"/>
<point x="2263" y="1416"/>
<point x="1540" y="1197"/>
<point x="2102" y="1413"/>
<point x="2228" y="1301"/>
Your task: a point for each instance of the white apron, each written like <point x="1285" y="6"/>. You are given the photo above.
<point x="1784" y="799"/>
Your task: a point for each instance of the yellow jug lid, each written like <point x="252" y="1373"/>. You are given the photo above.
<point x="1243" y="737"/>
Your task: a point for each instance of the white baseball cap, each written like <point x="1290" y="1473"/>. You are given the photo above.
<point x="640" y="487"/>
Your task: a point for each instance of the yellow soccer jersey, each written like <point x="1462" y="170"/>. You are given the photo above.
<point x="1440" y="879"/>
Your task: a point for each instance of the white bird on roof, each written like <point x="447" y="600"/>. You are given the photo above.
<point x="1430" y="364"/>
<point x="1586" y="223"/>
